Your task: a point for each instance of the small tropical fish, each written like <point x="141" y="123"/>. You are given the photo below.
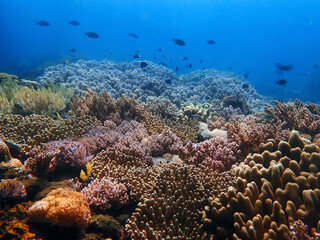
<point x="159" y="50"/>
<point x="43" y="23"/>
<point x="74" y="23"/>
<point x="184" y="58"/>
<point x="179" y="42"/>
<point x="91" y="34"/>
<point x="168" y="81"/>
<point x="267" y="117"/>
<point x="177" y="69"/>
<point x="133" y="35"/>
<point x="284" y="67"/>
<point x="245" y="86"/>
<point x="72" y="50"/>
<point x="211" y="42"/>
<point x="281" y="82"/>
<point x="143" y="64"/>
<point x="189" y="65"/>
<point x="136" y="56"/>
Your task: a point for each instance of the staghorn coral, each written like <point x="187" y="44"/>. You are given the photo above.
<point x="104" y="107"/>
<point x="63" y="207"/>
<point x="297" y="115"/>
<point x="41" y="101"/>
<point x="33" y="130"/>
<point x="12" y="190"/>
<point x="217" y="153"/>
<point x="106" y="193"/>
<point x="274" y="188"/>
<point x="171" y="209"/>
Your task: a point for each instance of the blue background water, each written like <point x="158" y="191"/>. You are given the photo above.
<point x="250" y="35"/>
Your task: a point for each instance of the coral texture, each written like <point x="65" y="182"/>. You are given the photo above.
<point x="216" y="153"/>
<point x="12" y="189"/>
<point x="274" y="188"/>
<point x="106" y="193"/>
<point x="297" y="115"/>
<point x="63" y="207"/>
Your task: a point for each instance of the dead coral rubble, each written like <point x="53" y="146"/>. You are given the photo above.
<point x="274" y="188"/>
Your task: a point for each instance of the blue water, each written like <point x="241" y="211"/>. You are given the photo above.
<point x="250" y="35"/>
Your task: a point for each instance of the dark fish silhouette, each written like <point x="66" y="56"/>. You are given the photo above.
<point x="154" y="57"/>
<point x="284" y="67"/>
<point x="177" y="69"/>
<point x="159" y="50"/>
<point x="211" y="42"/>
<point x="201" y="60"/>
<point x="168" y="81"/>
<point x="91" y="34"/>
<point x="281" y="82"/>
<point x="43" y="23"/>
<point x="230" y="67"/>
<point x="315" y="66"/>
<point x="133" y="35"/>
<point x="189" y="65"/>
<point x="72" y="50"/>
<point x="184" y="58"/>
<point x="136" y="56"/>
<point x="179" y="42"/>
<point x="246" y="75"/>
<point x="143" y="64"/>
<point x="74" y="23"/>
<point x="245" y="86"/>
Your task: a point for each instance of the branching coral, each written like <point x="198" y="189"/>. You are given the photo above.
<point x="33" y="130"/>
<point x="63" y="207"/>
<point x="106" y="193"/>
<point x="41" y="101"/>
<point x="216" y="153"/>
<point x="274" y="188"/>
<point x="104" y="107"/>
<point x="297" y="115"/>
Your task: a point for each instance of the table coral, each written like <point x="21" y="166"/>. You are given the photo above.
<point x="63" y="207"/>
<point x="106" y="193"/>
<point x="274" y="188"/>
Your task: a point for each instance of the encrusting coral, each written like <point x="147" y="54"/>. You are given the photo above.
<point x="63" y="207"/>
<point x="274" y="188"/>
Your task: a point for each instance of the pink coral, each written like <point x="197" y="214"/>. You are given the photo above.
<point x="12" y="189"/>
<point x="106" y="193"/>
<point x="216" y="153"/>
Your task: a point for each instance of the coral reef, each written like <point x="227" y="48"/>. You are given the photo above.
<point x="171" y="209"/>
<point x="30" y="131"/>
<point x="297" y="115"/>
<point x="63" y="207"/>
<point x="129" y="79"/>
<point x="104" y="107"/>
<point x="274" y="188"/>
<point x="217" y="153"/>
<point x="106" y="193"/>
<point x="15" y="230"/>
<point x="12" y="190"/>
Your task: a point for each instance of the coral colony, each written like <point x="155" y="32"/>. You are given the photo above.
<point x="104" y="150"/>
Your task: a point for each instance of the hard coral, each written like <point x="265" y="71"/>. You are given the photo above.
<point x="63" y="207"/>
<point x="297" y="115"/>
<point x="106" y="193"/>
<point x="274" y="188"/>
<point x="12" y="190"/>
<point x="216" y="153"/>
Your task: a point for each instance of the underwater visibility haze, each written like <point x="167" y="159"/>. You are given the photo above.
<point x="168" y="119"/>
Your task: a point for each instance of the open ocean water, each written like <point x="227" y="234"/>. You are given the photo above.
<point x="187" y="89"/>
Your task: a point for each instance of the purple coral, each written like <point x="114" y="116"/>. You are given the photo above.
<point x="216" y="153"/>
<point x="106" y="193"/>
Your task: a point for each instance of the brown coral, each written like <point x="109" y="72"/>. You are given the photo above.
<point x="63" y="207"/>
<point x="274" y="188"/>
<point x="104" y="107"/>
<point x="297" y="115"/>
